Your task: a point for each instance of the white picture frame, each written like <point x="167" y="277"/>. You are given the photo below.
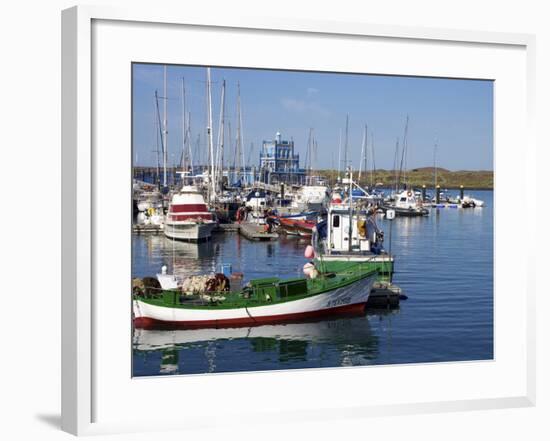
<point x="88" y="381"/>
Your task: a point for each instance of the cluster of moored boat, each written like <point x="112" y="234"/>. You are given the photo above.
<point x="345" y="259"/>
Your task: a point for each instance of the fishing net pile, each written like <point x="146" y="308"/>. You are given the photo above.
<point x="210" y="283"/>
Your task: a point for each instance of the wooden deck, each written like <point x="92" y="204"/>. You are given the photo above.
<point x="227" y="227"/>
<point x="256" y="232"/>
<point x="147" y="229"/>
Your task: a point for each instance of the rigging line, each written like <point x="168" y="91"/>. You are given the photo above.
<point x="249" y="315"/>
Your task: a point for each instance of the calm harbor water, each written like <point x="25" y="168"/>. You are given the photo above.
<point x="444" y="264"/>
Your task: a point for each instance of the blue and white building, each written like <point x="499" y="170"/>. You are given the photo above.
<point x="279" y="164"/>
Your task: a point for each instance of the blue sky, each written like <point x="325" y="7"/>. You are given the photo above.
<point x="458" y="114"/>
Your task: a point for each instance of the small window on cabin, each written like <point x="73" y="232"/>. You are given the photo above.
<point x="403" y="200"/>
<point x="336" y="221"/>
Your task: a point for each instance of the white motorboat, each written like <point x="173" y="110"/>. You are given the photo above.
<point x="188" y="217"/>
<point x="406" y="203"/>
<point x="310" y="197"/>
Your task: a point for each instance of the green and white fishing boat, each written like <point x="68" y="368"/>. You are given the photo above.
<point x="260" y="301"/>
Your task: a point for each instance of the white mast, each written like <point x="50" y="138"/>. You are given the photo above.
<point x="165" y="131"/>
<point x="346" y="143"/>
<point x="183" y="128"/>
<point x="339" y="153"/>
<point x="188" y="140"/>
<point x="350" y="225"/>
<point x="363" y="153"/>
<point x="373" y="160"/>
<point x="221" y="136"/>
<point x="240" y="145"/>
<point x="209" y="133"/>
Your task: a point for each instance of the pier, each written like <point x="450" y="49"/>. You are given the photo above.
<point x="147" y="229"/>
<point x="222" y="228"/>
<point x="256" y="232"/>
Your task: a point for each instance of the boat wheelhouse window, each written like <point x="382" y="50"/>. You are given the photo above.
<point x="336" y="221"/>
<point x="403" y="200"/>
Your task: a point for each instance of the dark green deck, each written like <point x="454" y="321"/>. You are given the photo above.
<point x="263" y="292"/>
<point x="384" y="269"/>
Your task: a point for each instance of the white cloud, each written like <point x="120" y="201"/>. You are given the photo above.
<point x="312" y="91"/>
<point x="303" y="106"/>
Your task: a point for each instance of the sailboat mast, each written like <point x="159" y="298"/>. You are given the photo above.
<point x="221" y="136"/>
<point x="188" y="143"/>
<point x="404" y="153"/>
<point x="346" y="143"/>
<point x="243" y="164"/>
<point x="161" y="134"/>
<point x="395" y="171"/>
<point x="350" y="226"/>
<point x="339" y="153"/>
<point x="183" y="163"/>
<point x="372" y="177"/>
<point x="363" y="144"/>
<point x="212" y="195"/>
<point x="157" y="135"/>
<point x="240" y="144"/>
<point x="435" y="169"/>
<point x="165" y="131"/>
<point x="309" y="153"/>
<point x="366" y="150"/>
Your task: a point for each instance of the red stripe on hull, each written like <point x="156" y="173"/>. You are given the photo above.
<point x="151" y="323"/>
<point x="188" y="208"/>
<point x="181" y="217"/>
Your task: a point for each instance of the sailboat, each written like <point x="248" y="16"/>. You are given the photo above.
<point x="404" y="202"/>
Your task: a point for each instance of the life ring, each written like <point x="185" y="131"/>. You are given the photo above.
<point x="409" y="193"/>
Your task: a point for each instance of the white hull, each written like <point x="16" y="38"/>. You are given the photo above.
<point x="353" y="294"/>
<point x="190" y="231"/>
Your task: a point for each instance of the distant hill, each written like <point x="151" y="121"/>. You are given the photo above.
<point x="470" y="179"/>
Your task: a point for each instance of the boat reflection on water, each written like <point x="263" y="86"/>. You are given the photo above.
<point x="343" y="341"/>
<point x="183" y="258"/>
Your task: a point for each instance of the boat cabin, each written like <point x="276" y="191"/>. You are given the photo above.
<point x="406" y="199"/>
<point x="365" y="235"/>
